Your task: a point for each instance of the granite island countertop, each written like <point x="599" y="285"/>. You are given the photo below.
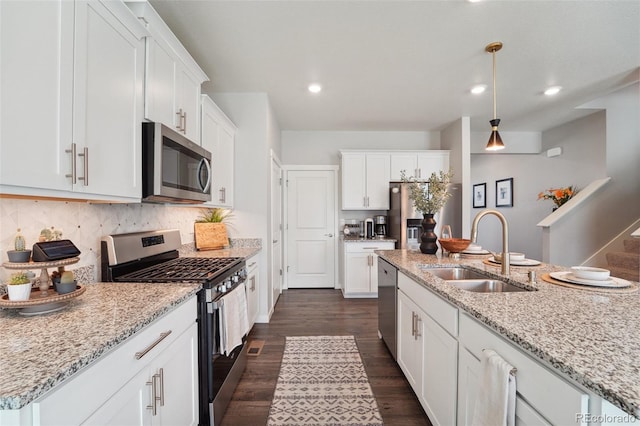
<point x="590" y="337"/>
<point x="39" y="352"/>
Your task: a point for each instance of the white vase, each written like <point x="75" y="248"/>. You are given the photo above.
<point x="19" y="291"/>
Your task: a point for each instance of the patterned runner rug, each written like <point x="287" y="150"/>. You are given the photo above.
<point x="322" y="381"/>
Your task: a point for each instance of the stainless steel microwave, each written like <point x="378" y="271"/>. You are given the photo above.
<point x="174" y="169"/>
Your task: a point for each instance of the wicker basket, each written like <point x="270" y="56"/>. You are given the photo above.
<point x="454" y="245"/>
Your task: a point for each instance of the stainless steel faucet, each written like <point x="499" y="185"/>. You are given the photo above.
<point x="505" y="236"/>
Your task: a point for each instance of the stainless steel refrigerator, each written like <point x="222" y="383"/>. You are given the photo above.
<point x="404" y="221"/>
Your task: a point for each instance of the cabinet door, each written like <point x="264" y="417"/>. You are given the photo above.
<point x="160" y="81"/>
<point x="357" y="273"/>
<point x="439" y="385"/>
<point x="373" y="274"/>
<point x="178" y="381"/>
<point x="468" y="376"/>
<point x="378" y="166"/>
<point x="410" y="355"/>
<point x="188" y="100"/>
<point x="403" y="161"/>
<point x="128" y="406"/>
<point x="432" y="162"/>
<point x="354" y="169"/>
<point x="251" y="286"/>
<point x="36" y="82"/>
<point x="108" y="103"/>
<point x="226" y="147"/>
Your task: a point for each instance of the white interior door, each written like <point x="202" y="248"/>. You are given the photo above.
<point x="311" y="218"/>
<point x="276" y="233"/>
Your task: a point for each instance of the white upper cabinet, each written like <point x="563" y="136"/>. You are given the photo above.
<point x="365" y="180"/>
<point x="218" y="137"/>
<point x="173" y="79"/>
<point x="72" y="85"/>
<point x="419" y="164"/>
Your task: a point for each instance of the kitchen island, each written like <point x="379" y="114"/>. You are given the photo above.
<point x="590" y="338"/>
<point x="38" y="353"/>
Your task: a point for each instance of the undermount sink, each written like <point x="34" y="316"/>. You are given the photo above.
<point x="469" y="280"/>
<point x="485" y="286"/>
<point x="449" y="274"/>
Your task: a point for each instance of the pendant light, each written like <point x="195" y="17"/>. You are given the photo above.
<point x="495" y="141"/>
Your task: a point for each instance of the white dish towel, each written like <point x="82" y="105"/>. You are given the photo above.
<point x="496" y="393"/>
<point x="234" y="320"/>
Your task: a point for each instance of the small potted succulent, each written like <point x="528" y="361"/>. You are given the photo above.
<point x="20" y="254"/>
<point x="210" y="231"/>
<point x="19" y="286"/>
<point x="67" y="283"/>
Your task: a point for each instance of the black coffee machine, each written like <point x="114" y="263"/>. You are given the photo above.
<point x="380" y="223"/>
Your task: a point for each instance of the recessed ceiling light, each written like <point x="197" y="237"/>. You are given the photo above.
<point x="554" y="90"/>
<point x="479" y="88"/>
<point x="315" y="88"/>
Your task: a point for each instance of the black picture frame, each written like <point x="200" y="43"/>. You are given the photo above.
<point x="504" y="192"/>
<point x="480" y="195"/>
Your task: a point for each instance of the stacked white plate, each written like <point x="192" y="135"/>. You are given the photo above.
<point x="585" y="275"/>
<point x="475" y="249"/>
<point x="515" y="259"/>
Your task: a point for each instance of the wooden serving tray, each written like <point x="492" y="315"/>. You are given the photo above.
<point x="38" y="299"/>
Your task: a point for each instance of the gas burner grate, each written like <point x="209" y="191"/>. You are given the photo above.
<point x="183" y="269"/>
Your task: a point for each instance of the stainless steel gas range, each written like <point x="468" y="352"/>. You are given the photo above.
<point x="152" y="256"/>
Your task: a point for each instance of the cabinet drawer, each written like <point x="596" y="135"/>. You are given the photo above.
<point x="442" y="312"/>
<point x="555" y="399"/>
<point x="75" y="400"/>
<point x="368" y="247"/>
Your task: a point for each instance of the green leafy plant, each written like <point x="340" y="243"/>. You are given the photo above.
<point x="430" y="196"/>
<point x="19" y="278"/>
<point x="215" y="215"/>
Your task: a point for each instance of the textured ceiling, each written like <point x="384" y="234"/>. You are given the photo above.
<point x="409" y="65"/>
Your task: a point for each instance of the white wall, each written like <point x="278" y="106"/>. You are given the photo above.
<point x="617" y="205"/>
<point x="456" y="138"/>
<point x="257" y="133"/>
<point x="581" y="162"/>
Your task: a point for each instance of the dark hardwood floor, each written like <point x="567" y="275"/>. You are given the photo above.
<point x="312" y="312"/>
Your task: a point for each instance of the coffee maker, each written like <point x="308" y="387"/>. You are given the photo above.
<point x="380" y="226"/>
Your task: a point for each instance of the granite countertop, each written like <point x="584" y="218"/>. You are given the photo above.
<point x="40" y="352"/>
<point x="245" y="252"/>
<point x="590" y="337"/>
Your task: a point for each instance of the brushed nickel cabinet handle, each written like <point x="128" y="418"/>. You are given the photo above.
<point x="184" y="122"/>
<point x="162" y="387"/>
<point x="253" y="283"/>
<point x="85" y="163"/>
<point x="418" y="321"/>
<point x="154" y="394"/>
<point x="72" y="151"/>
<point x="179" y="114"/>
<point x="153" y="344"/>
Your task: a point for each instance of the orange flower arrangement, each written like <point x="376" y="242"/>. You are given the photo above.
<point x="558" y="195"/>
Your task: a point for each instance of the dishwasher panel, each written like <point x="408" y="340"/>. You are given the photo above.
<point x="387" y="304"/>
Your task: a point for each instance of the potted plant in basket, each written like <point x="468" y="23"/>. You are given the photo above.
<point x="19" y="286"/>
<point x="210" y="230"/>
<point x="428" y="198"/>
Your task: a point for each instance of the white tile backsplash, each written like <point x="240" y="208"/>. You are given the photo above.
<point x="85" y="224"/>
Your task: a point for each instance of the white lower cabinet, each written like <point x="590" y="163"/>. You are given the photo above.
<point x="543" y="397"/>
<point x="251" y="285"/>
<point x="427" y="353"/>
<point x="361" y="267"/>
<point x="150" y="379"/>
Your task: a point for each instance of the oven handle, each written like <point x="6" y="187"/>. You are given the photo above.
<point x="153" y="345"/>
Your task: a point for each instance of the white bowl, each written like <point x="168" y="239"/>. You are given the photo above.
<point x="474" y="247"/>
<point x="590" y="273"/>
<point x="513" y="256"/>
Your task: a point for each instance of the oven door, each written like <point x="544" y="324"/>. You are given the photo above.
<point x="174" y="168"/>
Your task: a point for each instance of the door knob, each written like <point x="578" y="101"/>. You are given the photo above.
<point x="328" y="235"/>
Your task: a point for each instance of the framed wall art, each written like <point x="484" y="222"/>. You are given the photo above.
<point x="479" y="195"/>
<point x="504" y="193"/>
